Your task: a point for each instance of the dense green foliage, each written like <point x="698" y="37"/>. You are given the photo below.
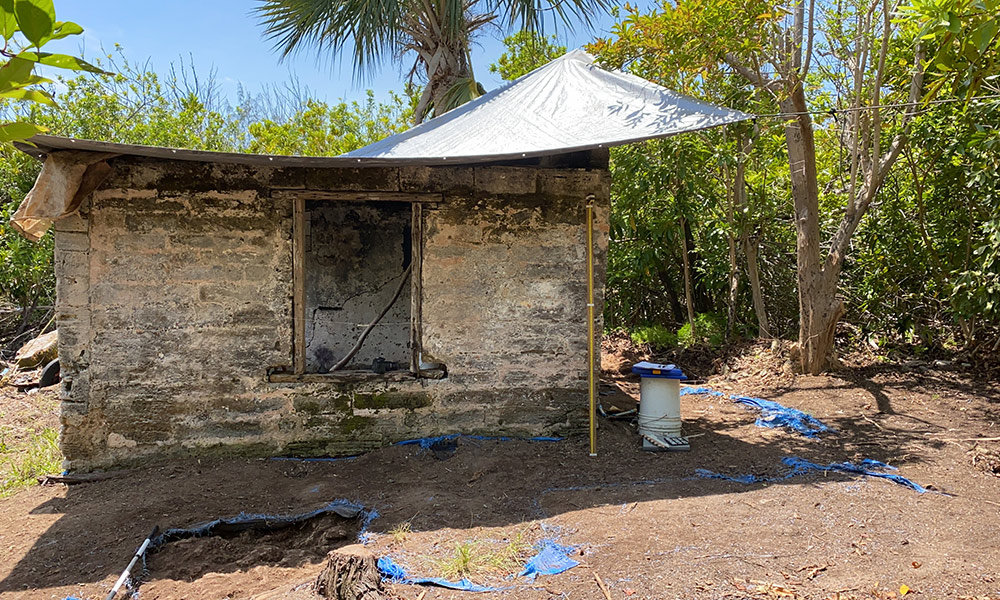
<point x="26" y="27"/>
<point x="526" y="51"/>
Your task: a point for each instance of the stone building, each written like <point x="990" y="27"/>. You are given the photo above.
<point x="202" y="298"/>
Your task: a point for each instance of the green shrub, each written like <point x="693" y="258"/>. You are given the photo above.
<point x="656" y="336"/>
<point x="709" y="328"/>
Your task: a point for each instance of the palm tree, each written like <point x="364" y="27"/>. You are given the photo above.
<point x="437" y="32"/>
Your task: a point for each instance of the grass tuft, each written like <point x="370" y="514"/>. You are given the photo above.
<point x="400" y="532"/>
<point x="463" y="562"/>
<point x="21" y="463"/>
<point x="477" y="558"/>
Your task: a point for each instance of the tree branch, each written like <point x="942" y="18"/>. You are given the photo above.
<point x="752" y="75"/>
<point x="876" y="174"/>
<point x="809" y="41"/>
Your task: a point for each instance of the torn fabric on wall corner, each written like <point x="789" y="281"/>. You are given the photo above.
<point x="66" y="179"/>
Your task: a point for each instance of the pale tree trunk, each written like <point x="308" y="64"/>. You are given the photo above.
<point x="444" y="69"/>
<point x="739" y="204"/>
<point x="731" y="241"/>
<point x="753" y="274"/>
<point x="443" y="57"/>
<point x="819" y="306"/>
<point x="733" y="281"/>
<point x="750" y="248"/>
<point x="688" y="289"/>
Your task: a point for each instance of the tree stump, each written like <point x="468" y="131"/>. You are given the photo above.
<point x="350" y="573"/>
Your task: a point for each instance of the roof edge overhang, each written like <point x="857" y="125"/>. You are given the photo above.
<point x="41" y="145"/>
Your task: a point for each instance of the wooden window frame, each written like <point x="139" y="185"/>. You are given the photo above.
<point x="298" y="198"/>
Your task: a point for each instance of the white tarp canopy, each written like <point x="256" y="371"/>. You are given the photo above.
<point x="569" y="104"/>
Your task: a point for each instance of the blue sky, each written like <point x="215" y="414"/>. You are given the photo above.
<point x="222" y="35"/>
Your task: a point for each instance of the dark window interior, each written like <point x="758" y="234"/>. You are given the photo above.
<point x="355" y="256"/>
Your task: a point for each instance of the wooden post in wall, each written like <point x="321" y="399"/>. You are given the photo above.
<point x="416" y="318"/>
<point x="299" y="284"/>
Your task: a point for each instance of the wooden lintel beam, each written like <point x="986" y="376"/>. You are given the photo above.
<point x="357" y="196"/>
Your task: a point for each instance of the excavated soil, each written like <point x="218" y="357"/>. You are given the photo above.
<point x="643" y="523"/>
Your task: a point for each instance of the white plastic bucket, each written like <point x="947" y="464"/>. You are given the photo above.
<point x="660" y="407"/>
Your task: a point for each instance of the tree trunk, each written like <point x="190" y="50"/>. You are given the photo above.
<point x="733" y="279"/>
<point x="700" y="296"/>
<point x="753" y="274"/>
<point x="350" y="573"/>
<point x="688" y="292"/>
<point x="737" y="202"/>
<point x="444" y="58"/>
<point x="676" y="310"/>
<point x="819" y="307"/>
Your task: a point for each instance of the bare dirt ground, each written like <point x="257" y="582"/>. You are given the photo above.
<point x="642" y="522"/>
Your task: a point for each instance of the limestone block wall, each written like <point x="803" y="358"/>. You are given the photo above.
<point x="174" y="302"/>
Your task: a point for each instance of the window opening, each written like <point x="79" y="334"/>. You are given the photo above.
<point x="357" y="262"/>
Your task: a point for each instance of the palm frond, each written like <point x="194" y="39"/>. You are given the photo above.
<point x="535" y="15"/>
<point x="372" y="27"/>
<point x="464" y="90"/>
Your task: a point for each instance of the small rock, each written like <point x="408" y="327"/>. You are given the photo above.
<point x="117" y="440"/>
<point x="38" y="351"/>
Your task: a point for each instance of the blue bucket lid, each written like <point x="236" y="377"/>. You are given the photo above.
<point x="648" y="369"/>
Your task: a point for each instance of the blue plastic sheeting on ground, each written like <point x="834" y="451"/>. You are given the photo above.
<point x="426" y="443"/>
<point x="397" y="574"/>
<point x="552" y="558"/>
<point x="772" y="414"/>
<point x="245" y="521"/>
<point x="800" y="466"/>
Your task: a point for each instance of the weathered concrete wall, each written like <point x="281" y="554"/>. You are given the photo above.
<point x="174" y="300"/>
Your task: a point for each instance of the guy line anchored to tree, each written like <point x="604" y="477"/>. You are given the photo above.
<point x="834" y="111"/>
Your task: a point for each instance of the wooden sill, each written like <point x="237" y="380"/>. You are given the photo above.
<point x="352" y="376"/>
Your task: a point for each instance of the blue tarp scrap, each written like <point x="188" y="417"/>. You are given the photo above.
<point x="772" y="414"/>
<point x="800" y="466"/>
<point x="364" y="536"/>
<point x="395" y="573"/>
<point x="552" y="559"/>
<point x="746" y="479"/>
